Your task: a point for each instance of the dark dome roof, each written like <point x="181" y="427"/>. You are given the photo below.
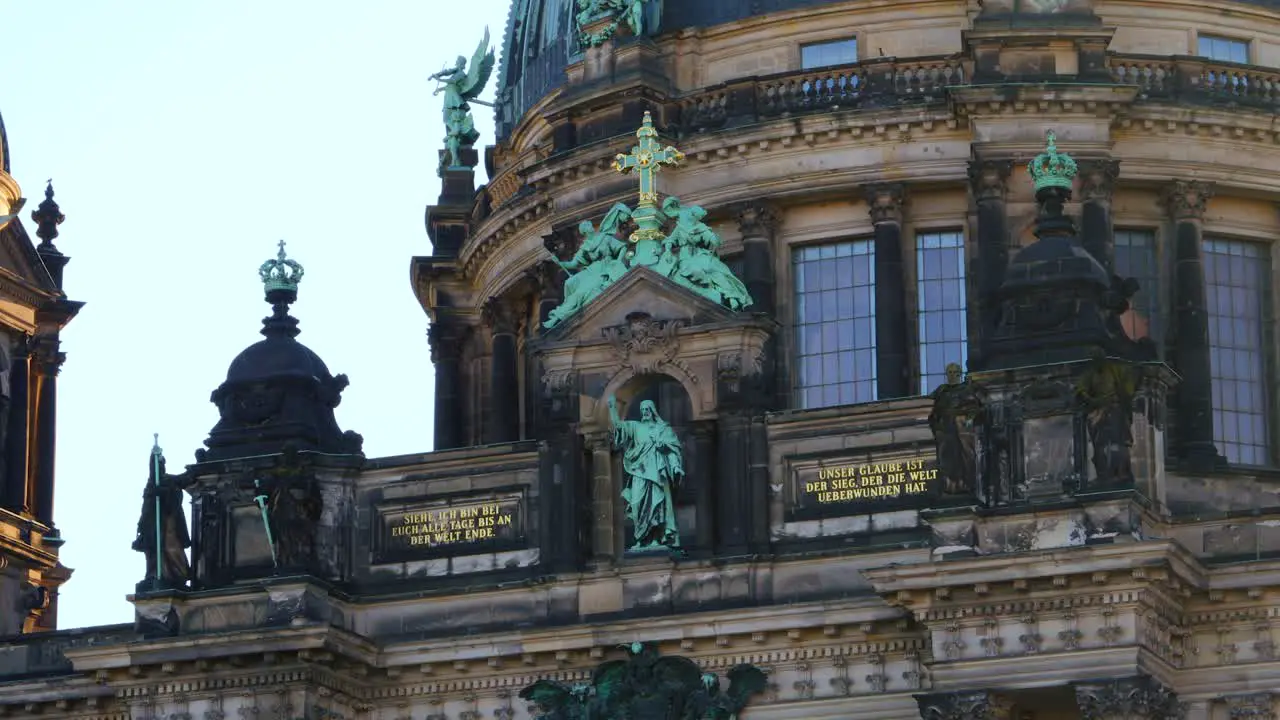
<point x="4" y="147"/>
<point x="541" y="40"/>
<point x="276" y="357"/>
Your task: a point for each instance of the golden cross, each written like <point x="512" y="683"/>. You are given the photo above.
<point x="647" y="158"/>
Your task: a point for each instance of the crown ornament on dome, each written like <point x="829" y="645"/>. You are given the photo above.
<point x="280" y="273"/>
<point x="1052" y="169"/>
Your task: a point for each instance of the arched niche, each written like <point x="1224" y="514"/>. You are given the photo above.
<point x="675" y="406"/>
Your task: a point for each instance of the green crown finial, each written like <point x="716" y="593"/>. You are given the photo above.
<point x="1052" y="168"/>
<point x="280" y="273"/>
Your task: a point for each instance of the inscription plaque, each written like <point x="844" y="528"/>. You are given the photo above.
<point x="453" y="526"/>
<point x="831" y="488"/>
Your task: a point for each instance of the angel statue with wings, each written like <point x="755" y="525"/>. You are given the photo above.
<point x="460" y="85"/>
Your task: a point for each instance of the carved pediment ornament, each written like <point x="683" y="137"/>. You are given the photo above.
<point x="1140" y="697"/>
<point x="644" y="345"/>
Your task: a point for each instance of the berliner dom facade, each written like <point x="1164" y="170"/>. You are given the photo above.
<point x="798" y="359"/>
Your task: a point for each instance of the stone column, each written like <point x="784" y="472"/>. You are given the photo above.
<point x="561" y="474"/>
<point x="15" y="442"/>
<point x="502" y="317"/>
<point x="1097" y="183"/>
<point x="733" y="491"/>
<point x="968" y="705"/>
<point x="605" y="533"/>
<point x="758" y="222"/>
<point x="989" y="181"/>
<point x="1186" y="202"/>
<point x="48" y="363"/>
<point x="446" y="337"/>
<point x="1135" y="698"/>
<point x="704" y="443"/>
<point x="892" y="374"/>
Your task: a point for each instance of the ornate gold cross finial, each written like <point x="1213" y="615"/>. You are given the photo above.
<point x="647" y="157"/>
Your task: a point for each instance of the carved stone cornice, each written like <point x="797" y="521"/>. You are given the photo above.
<point x="1187" y="199"/>
<point x="502" y="314"/>
<point x="979" y="705"/>
<point x="1130" y="698"/>
<point x="989" y="179"/>
<point x="1098" y="180"/>
<point x="884" y="202"/>
<point x="756" y="220"/>
<point x="1254" y="706"/>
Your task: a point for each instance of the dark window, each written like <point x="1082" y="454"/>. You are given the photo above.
<point x="1136" y="258"/>
<point x="835" y="323"/>
<point x="826" y="54"/>
<point x="1235" y="276"/>
<point x="941" y="296"/>
<point x="1223" y="49"/>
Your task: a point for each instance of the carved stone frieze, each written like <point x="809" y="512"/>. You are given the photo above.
<point x="644" y="345"/>
<point x="1129" y="699"/>
<point x="884" y="202"/>
<point x="989" y="179"/>
<point x="1254" y="706"/>
<point x="1098" y="180"/>
<point x="756" y="220"/>
<point x="1187" y="199"/>
<point x="980" y="705"/>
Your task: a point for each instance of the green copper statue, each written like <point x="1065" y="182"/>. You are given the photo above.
<point x="642" y="17"/>
<point x="697" y="263"/>
<point x="653" y="462"/>
<point x="460" y="86"/>
<point x="596" y="265"/>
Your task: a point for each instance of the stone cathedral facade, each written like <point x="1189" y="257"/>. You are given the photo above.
<point x="993" y="437"/>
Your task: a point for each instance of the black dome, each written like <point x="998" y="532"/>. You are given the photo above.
<point x="275" y="358"/>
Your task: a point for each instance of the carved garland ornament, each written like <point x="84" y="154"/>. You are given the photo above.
<point x="644" y="345"/>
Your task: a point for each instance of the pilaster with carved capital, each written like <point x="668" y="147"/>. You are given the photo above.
<point x="503" y="316"/>
<point x="1098" y="180"/>
<point x="1187" y="199"/>
<point x="973" y="705"/>
<point x="884" y="202"/>
<point x="447" y="338"/>
<point x="989" y="179"/>
<point x="1097" y="184"/>
<point x="758" y="221"/>
<point x="1135" y="698"/>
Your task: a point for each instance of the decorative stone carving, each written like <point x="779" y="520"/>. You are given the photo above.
<point x="957" y="407"/>
<point x="648" y="686"/>
<point x="502" y="315"/>
<point x="1106" y="391"/>
<point x="989" y="179"/>
<point x="756" y="220"/>
<point x="1255" y="706"/>
<point x="980" y="705"/>
<point x="1187" y="199"/>
<point x="1098" y="180"/>
<point x="1128" y="699"/>
<point x="644" y="344"/>
<point x="884" y="202"/>
<point x="446" y="340"/>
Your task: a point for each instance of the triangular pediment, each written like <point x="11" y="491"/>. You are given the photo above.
<point x="640" y="290"/>
<point x="19" y="257"/>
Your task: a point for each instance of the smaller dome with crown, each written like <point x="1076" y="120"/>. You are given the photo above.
<point x="1052" y="168"/>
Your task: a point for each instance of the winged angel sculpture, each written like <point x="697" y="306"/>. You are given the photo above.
<point x="461" y="84"/>
<point x="647" y="686"/>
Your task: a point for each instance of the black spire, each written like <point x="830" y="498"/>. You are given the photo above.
<point x="48" y="216"/>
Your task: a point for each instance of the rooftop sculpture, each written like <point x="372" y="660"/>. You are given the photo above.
<point x="686" y="254"/>
<point x="461" y="85"/>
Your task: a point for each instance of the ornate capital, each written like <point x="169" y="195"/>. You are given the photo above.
<point x="545" y="279"/>
<point x="446" y="340"/>
<point x="1255" y="706"/>
<point x="644" y="345"/>
<point x="502" y="315"/>
<point x="1186" y="199"/>
<point x="1137" y="697"/>
<point x="885" y="203"/>
<point x="756" y="220"/>
<point x="989" y="178"/>
<point x="1098" y="179"/>
<point x="45" y="355"/>
<point x="979" y="705"/>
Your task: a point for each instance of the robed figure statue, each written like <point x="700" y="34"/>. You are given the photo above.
<point x="957" y="408"/>
<point x="461" y="85"/>
<point x="653" y="462"/>
<point x="162" y="534"/>
<point x="597" y="264"/>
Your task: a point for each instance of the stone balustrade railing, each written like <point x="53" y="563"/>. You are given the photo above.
<point x="1198" y="79"/>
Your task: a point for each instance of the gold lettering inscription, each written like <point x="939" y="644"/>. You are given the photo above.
<point x="872" y="481"/>
<point x="448" y="526"/>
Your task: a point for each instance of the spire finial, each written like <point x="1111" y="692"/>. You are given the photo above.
<point x="280" y="255"/>
<point x="1052" y="168"/>
<point x="646" y="158"/>
<point x="155" y="448"/>
<point x="280" y="273"/>
<point x="48" y="216"/>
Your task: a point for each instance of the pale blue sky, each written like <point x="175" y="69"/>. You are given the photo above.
<point x="184" y="140"/>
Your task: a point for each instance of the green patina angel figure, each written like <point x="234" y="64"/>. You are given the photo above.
<point x="597" y="264"/>
<point x="640" y="16"/>
<point x="653" y="461"/>
<point x="460" y="86"/>
<point x="698" y="266"/>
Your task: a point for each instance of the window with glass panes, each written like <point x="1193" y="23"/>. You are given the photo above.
<point x="1136" y="258"/>
<point x="826" y="54"/>
<point x="940" y="294"/>
<point x="835" y="323"/>
<point x="1235" y="275"/>
<point x="1223" y="49"/>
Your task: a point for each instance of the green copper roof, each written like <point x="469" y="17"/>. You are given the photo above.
<point x="1052" y="168"/>
<point x="280" y="273"/>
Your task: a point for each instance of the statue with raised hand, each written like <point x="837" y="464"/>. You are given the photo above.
<point x="597" y="264"/>
<point x="693" y="247"/>
<point x="461" y="85"/>
<point x="653" y="461"/>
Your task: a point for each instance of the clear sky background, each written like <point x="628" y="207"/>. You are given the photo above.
<point x="184" y="140"/>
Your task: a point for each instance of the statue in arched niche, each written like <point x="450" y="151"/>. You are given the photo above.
<point x="653" y="461"/>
